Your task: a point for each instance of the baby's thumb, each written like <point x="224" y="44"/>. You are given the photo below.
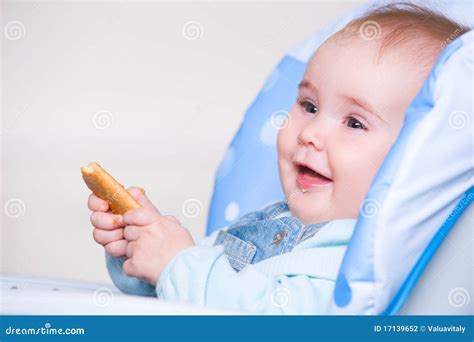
<point x="139" y="195"/>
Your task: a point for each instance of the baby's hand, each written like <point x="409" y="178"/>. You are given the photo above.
<point x="153" y="240"/>
<point x="108" y="230"/>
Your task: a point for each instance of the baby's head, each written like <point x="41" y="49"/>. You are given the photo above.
<point x="350" y="108"/>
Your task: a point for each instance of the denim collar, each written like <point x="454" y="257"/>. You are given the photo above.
<point x="263" y="234"/>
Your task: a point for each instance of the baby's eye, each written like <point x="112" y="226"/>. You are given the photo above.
<point x="354" y="123"/>
<point x="309" y="107"/>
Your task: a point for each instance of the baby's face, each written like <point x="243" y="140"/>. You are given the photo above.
<point x="349" y="111"/>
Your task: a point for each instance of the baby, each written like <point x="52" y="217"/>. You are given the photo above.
<point x="285" y="258"/>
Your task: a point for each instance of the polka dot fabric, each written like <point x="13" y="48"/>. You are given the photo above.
<point x="247" y="178"/>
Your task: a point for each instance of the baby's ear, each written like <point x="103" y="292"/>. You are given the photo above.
<point x="139" y="194"/>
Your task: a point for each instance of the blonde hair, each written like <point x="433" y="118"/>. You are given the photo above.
<point x="423" y="31"/>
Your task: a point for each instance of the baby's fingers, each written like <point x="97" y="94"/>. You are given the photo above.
<point x="139" y="195"/>
<point x="97" y="204"/>
<point x="103" y="237"/>
<point x="107" y="221"/>
<point x="140" y="217"/>
<point x="116" y="248"/>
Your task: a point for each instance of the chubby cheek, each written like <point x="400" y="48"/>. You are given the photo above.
<point x="286" y="145"/>
<point x="356" y="166"/>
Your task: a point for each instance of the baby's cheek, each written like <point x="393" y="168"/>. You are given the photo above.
<point x="353" y="175"/>
<point x="287" y="138"/>
<point x="282" y="139"/>
<point x="286" y="149"/>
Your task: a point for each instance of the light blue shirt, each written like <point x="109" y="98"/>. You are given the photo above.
<point x="267" y="262"/>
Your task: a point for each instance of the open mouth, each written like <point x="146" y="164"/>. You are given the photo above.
<point x="308" y="178"/>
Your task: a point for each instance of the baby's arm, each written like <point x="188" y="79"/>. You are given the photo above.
<point x="133" y="285"/>
<point x="202" y="275"/>
<point x="126" y="284"/>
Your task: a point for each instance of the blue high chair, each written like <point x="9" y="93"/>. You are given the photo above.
<point x="411" y="251"/>
<point x="417" y="198"/>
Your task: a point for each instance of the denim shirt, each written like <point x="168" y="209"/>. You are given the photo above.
<point x="263" y="234"/>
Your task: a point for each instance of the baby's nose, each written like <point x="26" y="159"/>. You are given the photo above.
<point x="311" y="135"/>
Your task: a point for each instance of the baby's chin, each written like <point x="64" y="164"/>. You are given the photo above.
<point x="311" y="207"/>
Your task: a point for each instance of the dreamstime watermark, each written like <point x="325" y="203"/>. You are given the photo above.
<point x="192" y="30"/>
<point x="46" y="330"/>
<point x="103" y="296"/>
<point x="290" y="197"/>
<point x="452" y="37"/>
<point x="14" y="30"/>
<point x="192" y="208"/>
<point x="14" y="208"/>
<point x="464" y="203"/>
<point x="281" y="297"/>
<point x="280" y="119"/>
<point x="458" y="297"/>
<point x="369" y="208"/>
<point x="103" y="119"/>
<point x="370" y="30"/>
<point x="14" y="119"/>
<point x="459" y="119"/>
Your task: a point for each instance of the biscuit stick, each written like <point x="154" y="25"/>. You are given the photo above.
<point x="104" y="186"/>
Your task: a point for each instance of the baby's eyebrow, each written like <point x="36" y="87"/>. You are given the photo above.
<point x="364" y="105"/>
<point x="309" y="85"/>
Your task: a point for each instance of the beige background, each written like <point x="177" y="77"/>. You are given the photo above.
<point x="165" y="108"/>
